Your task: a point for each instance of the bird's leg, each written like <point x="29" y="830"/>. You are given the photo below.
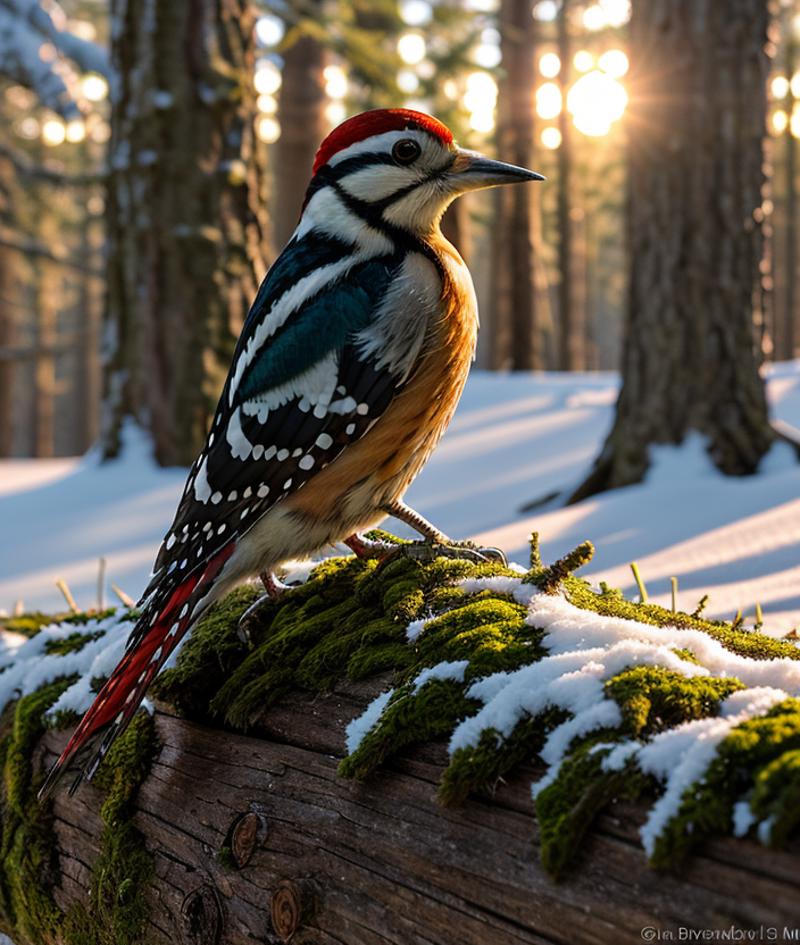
<point x="274" y="588"/>
<point x="436" y="543"/>
<point x="367" y="547"/>
<point x="418" y="522"/>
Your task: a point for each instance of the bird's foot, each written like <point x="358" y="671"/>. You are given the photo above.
<point x="426" y="551"/>
<point x="275" y="589"/>
<point x="369" y="548"/>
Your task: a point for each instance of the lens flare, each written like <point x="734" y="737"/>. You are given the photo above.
<point x="595" y="102"/>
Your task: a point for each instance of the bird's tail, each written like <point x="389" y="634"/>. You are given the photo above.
<point x="153" y="638"/>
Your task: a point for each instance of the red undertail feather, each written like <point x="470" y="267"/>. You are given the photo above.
<point x="115" y="705"/>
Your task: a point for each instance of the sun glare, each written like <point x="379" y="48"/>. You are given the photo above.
<point x="548" y="100"/>
<point x="595" y="102"/>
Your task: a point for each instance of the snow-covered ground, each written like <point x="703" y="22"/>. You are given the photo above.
<point x="515" y="439"/>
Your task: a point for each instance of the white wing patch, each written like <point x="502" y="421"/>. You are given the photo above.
<point x="283" y="307"/>
<point x="314" y="388"/>
<point x="202" y="487"/>
<point x="241" y="447"/>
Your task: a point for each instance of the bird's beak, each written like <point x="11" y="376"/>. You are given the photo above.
<point x="473" y="171"/>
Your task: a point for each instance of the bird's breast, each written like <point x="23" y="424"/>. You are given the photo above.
<point x="427" y="333"/>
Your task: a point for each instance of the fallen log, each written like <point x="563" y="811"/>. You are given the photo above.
<point x="318" y="859"/>
<point x="250" y="808"/>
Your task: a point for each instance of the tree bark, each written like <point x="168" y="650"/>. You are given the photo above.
<point x="571" y="327"/>
<point x="332" y="862"/>
<point x="301" y="113"/>
<point x="186" y="215"/>
<point x="513" y="319"/>
<point x="8" y="302"/>
<point x="696" y="231"/>
<point x="791" y="246"/>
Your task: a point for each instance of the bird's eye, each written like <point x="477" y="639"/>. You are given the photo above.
<point x="406" y="151"/>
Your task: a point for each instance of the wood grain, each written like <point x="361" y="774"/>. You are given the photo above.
<point x="382" y="863"/>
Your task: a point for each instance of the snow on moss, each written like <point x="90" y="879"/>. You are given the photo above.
<point x="572" y="696"/>
<point x="88" y="650"/>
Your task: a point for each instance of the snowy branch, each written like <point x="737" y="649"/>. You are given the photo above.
<point x="36" y="50"/>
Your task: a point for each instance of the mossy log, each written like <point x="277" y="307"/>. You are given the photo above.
<point x="258" y="839"/>
<point x="241" y="812"/>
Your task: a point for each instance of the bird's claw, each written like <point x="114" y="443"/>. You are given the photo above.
<point x="427" y="551"/>
<point x="275" y="590"/>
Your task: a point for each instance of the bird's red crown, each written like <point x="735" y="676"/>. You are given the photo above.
<point x="378" y="122"/>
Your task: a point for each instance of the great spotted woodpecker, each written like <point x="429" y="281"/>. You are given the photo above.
<point x="348" y="370"/>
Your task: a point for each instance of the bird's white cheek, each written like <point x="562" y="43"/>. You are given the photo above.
<point x="420" y="210"/>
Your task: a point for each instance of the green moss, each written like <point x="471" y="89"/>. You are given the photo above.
<point x="653" y="699"/>
<point x="744" y="642"/>
<point x="776" y="796"/>
<point x="479" y="767"/>
<point x="753" y="755"/>
<point x="71" y="644"/>
<point x="566" y="808"/>
<point x="31" y="623"/>
<point x="117" y="908"/>
<point x="115" y="912"/>
<point x="27" y="854"/>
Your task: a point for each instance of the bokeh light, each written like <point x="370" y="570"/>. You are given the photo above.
<point x="487" y="55"/>
<point x="75" y="131"/>
<point x="545" y="11"/>
<point x="794" y="124"/>
<point x="583" y="60"/>
<point x="614" y="62"/>
<point x="53" y="132"/>
<point x="269" y="30"/>
<point x="415" y="12"/>
<point x="794" y="85"/>
<point x="28" y="128"/>
<point x="779" y="87"/>
<point x="268" y="129"/>
<point x="595" y="102"/>
<point x="551" y="138"/>
<point x="407" y="81"/>
<point x="335" y="82"/>
<point x="94" y="87"/>
<point x="594" y="18"/>
<point x="268" y="78"/>
<point x="548" y="100"/>
<point x="780" y="121"/>
<point x="267" y="104"/>
<point x="335" y="112"/>
<point x="480" y="99"/>
<point x="616" y="12"/>
<point x="549" y="65"/>
<point x="411" y="48"/>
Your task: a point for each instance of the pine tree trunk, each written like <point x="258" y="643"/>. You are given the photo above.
<point x="8" y="302"/>
<point x="186" y="214"/>
<point x="571" y="322"/>
<point x="301" y="113"/>
<point x="696" y="232"/>
<point x="791" y="246"/>
<point x="514" y="339"/>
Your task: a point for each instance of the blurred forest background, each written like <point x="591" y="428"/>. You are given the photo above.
<point x="154" y="156"/>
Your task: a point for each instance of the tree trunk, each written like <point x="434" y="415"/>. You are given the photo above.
<point x="257" y="839"/>
<point x="571" y="328"/>
<point x="301" y="113"/>
<point x="513" y="320"/>
<point x="790" y="247"/>
<point x="696" y="232"/>
<point x="186" y="214"/>
<point x="8" y="303"/>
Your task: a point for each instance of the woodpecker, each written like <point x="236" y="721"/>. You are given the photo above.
<point x="348" y="370"/>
